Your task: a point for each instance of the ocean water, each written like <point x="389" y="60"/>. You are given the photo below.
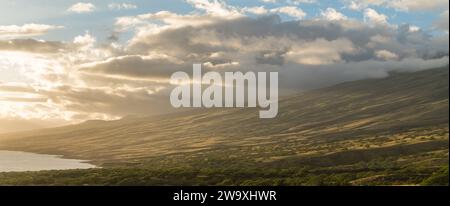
<point x="12" y="161"/>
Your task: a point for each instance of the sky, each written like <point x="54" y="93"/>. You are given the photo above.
<point x="69" y="61"/>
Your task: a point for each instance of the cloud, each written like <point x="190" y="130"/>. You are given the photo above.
<point x="147" y="23"/>
<point x="81" y="8"/>
<point x="320" y="52"/>
<point x="418" y="5"/>
<point x="121" y="6"/>
<point x="16" y="87"/>
<point x="333" y="15"/>
<point x="298" y="2"/>
<point x="32" y="45"/>
<point x="107" y="103"/>
<point x="215" y="7"/>
<point x="85" y="41"/>
<point x="326" y="75"/>
<point x="373" y="17"/>
<point x="269" y="1"/>
<point x="442" y="22"/>
<point x="136" y="66"/>
<point x="258" y="10"/>
<point x="26" y="30"/>
<point x="89" y="79"/>
<point x="413" y="28"/>
<point x="290" y="11"/>
<point x="403" y="5"/>
<point x="386" y="55"/>
<point x="268" y="43"/>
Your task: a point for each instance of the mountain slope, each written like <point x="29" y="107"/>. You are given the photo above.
<point x="402" y="115"/>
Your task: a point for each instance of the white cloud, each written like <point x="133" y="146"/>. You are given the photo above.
<point x="386" y="55"/>
<point x="86" y="40"/>
<point x="413" y="28"/>
<point x="269" y="1"/>
<point x="320" y="52"/>
<point x="405" y="5"/>
<point x="298" y="2"/>
<point x="144" y="24"/>
<point x="354" y="5"/>
<point x="258" y="10"/>
<point x="122" y="6"/>
<point x="362" y="4"/>
<point x="332" y="15"/>
<point x="215" y="7"/>
<point x="290" y="11"/>
<point x="373" y="17"/>
<point x="82" y="8"/>
<point x="418" y="5"/>
<point x="286" y="10"/>
<point x="26" y="30"/>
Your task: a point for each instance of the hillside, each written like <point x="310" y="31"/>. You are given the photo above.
<point x="401" y="120"/>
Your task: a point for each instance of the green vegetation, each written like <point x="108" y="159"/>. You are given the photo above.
<point x="438" y="178"/>
<point x="377" y="173"/>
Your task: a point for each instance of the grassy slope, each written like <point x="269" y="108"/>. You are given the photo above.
<point x="400" y="122"/>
